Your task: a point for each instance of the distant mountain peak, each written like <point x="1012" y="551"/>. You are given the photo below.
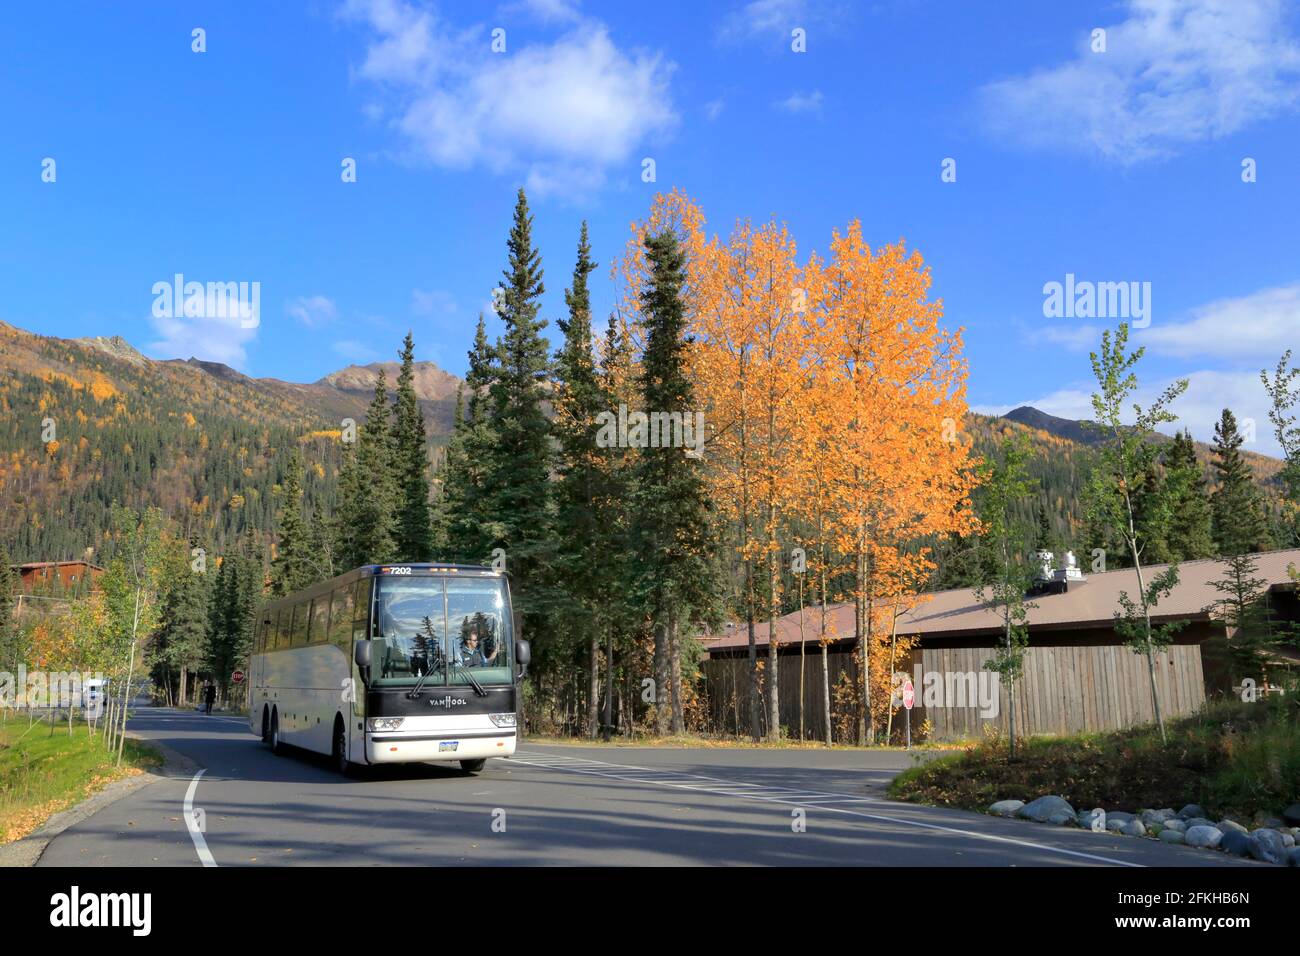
<point x="1085" y="433"/>
<point x="431" y="382"/>
<point x="115" y="346"/>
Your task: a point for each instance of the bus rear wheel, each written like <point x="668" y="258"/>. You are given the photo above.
<point x="473" y="766"/>
<point x="277" y="745"/>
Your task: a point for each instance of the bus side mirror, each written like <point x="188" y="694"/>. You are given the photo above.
<point x="523" y="655"/>
<point x="361" y="654"/>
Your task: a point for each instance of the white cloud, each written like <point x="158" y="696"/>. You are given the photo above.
<point x="560" y="113"/>
<point x="547" y="11"/>
<point x="356" y="352"/>
<point x="713" y="109"/>
<point x="435" y="302"/>
<point x="801" y="102"/>
<point x="312" y="311"/>
<point x="1258" y="327"/>
<point x="765" y="18"/>
<point x="1175" y="72"/>
<point x="1208" y="394"/>
<point x="216" y="339"/>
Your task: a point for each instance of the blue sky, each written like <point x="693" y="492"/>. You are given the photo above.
<point x="1122" y="165"/>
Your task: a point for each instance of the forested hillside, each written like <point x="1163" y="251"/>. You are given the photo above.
<point x="86" y="423"/>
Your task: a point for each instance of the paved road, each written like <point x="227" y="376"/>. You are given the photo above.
<point x="559" y="805"/>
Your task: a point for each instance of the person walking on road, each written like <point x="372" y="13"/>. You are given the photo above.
<point x="209" y="695"/>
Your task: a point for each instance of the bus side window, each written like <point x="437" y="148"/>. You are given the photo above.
<point x="361" y="610"/>
<point x="320" y="620"/>
<point x="281" y="631"/>
<point x="341" y="611"/>
<point x="300" y="623"/>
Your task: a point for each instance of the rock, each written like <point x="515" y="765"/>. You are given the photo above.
<point x="1094" y="820"/>
<point x="1267" y="821"/>
<point x="1156" y="816"/>
<point x="1288" y="840"/>
<point x="1199" y="822"/>
<point x="1119" y="815"/>
<point x="1174" y="824"/>
<point x="1292" y="814"/>
<point x="1235" y="842"/>
<point x="1062" y="818"/>
<point x="1006" y="808"/>
<point x="1191" y="811"/>
<point x="1042" y="809"/>
<point x="1134" y="828"/>
<point x="1205" y="837"/>
<point x="1266" y="846"/>
<point x="1293" y="856"/>
<point x="1226" y="825"/>
<point x="1170" y="835"/>
<point x="1116" y="826"/>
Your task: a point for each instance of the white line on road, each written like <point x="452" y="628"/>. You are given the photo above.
<point x="720" y="787"/>
<point x="196" y="834"/>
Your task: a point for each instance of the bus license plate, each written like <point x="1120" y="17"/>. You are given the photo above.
<point x="447" y="745"/>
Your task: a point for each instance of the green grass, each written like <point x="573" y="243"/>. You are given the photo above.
<point x="42" y="773"/>
<point x="1232" y="758"/>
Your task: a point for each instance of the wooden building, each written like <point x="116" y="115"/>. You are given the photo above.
<point x="1078" y="676"/>
<point x="56" y="576"/>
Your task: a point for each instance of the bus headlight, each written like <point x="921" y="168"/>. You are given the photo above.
<point x="384" y="723"/>
<point x="503" y="720"/>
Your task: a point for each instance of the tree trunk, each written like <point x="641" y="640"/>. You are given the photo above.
<point x="593" y="684"/>
<point x="773" y="663"/>
<point x="663" y="704"/>
<point x="802" y="660"/>
<point x="675" y="674"/>
<point x="609" y="686"/>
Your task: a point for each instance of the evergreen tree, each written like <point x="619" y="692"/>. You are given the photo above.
<point x="518" y="461"/>
<point x="471" y="530"/>
<point x="674" y="539"/>
<point x="1237" y="513"/>
<point x="9" y="583"/>
<point x="414" y="527"/>
<point x="181" y="644"/>
<point x="366" y="512"/>
<point x="295" y="566"/>
<point x="578" y="400"/>
<point x="1243" y="611"/>
<point x="1188" y="536"/>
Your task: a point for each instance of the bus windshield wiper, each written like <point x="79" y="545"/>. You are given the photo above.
<point x="414" y="694"/>
<point x="478" y="688"/>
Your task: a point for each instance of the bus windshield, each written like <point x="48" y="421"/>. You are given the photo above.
<point x="444" y="626"/>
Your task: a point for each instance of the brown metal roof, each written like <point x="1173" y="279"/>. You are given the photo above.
<point x="1092" y="602"/>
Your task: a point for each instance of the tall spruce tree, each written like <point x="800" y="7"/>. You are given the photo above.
<point x="470" y="529"/>
<point x="1188" y="535"/>
<point x="182" y="640"/>
<point x="518" y="464"/>
<point x="295" y="566"/>
<point x="578" y="400"/>
<point x="414" y="526"/>
<point x="1237" y="512"/>
<point x="674" y="527"/>
<point x="366" y="512"/>
<point x="1244" y="614"/>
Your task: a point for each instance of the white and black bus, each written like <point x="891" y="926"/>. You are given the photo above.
<point x="391" y="664"/>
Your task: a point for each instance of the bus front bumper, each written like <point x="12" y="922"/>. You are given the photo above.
<point x="425" y="748"/>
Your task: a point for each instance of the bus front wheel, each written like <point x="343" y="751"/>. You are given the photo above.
<point x="473" y="766"/>
<point x="340" y="753"/>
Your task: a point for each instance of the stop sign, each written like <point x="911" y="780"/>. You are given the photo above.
<point x="909" y="695"/>
<point x="238" y="678"/>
